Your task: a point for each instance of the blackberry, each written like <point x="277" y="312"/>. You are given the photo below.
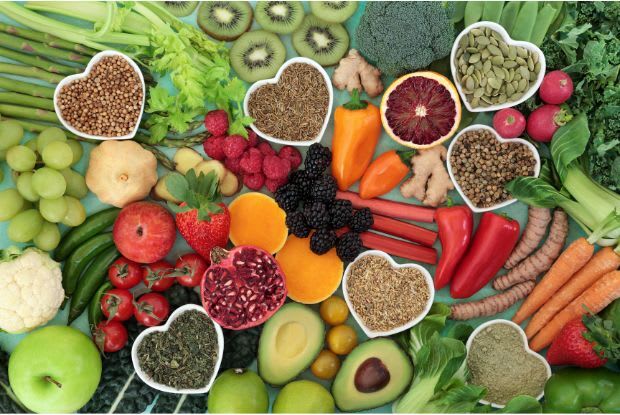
<point x="316" y="215"/>
<point x="361" y="220"/>
<point x="296" y="223"/>
<point x="324" y="189"/>
<point x="349" y="246"/>
<point x="322" y="241"/>
<point x="303" y="181"/>
<point x="288" y="197"/>
<point x="317" y="160"/>
<point x="340" y="213"/>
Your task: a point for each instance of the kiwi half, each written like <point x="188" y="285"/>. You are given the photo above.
<point x="279" y="16"/>
<point x="257" y="55"/>
<point x="225" y="20"/>
<point x="180" y="8"/>
<point x="333" y="11"/>
<point x="324" y="42"/>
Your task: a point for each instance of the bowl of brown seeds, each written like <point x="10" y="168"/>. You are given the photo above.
<point x="384" y="297"/>
<point x="106" y="101"/>
<point x="491" y="71"/>
<point x="294" y="107"/>
<point x="182" y="356"/>
<point x="480" y="163"/>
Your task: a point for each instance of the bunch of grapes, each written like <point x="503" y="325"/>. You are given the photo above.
<point x="47" y="191"/>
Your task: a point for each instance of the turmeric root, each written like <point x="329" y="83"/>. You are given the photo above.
<point x="430" y="182"/>
<point x="353" y="72"/>
<point x="537" y="221"/>
<point x="542" y="259"/>
<point x="492" y="305"/>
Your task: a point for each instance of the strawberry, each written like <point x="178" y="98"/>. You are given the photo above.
<point x="202" y="220"/>
<point x="571" y="347"/>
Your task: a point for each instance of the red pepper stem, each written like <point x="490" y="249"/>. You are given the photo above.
<point x="406" y="155"/>
<point x="449" y="202"/>
<point x="504" y="215"/>
<point x="356" y="103"/>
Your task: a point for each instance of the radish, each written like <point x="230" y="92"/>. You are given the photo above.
<point x="509" y="123"/>
<point x="544" y="121"/>
<point x="556" y="88"/>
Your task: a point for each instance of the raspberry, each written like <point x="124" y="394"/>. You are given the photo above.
<point x="233" y="165"/>
<point x="252" y="138"/>
<point x="292" y="154"/>
<point x="216" y="122"/>
<point x="234" y="146"/>
<point x="274" y="184"/>
<point x="251" y="161"/>
<point x="266" y="149"/>
<point x="214" y="147"/>
<point x="254" y="181"/>
<point x="276" y="168"/>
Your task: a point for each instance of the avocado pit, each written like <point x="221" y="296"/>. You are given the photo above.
<point x="371" y="376"/>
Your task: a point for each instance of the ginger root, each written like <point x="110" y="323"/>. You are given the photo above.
<point x="430" y="182"/>
<point x="537" y="221"/>
<point x="353" y="72"/>
<point x="492" y="305"/>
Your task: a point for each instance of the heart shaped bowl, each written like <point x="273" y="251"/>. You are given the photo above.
<point x="71" y="78"/>
<point x="499" y="29"/>
<point x="372" y="333"/>
<point x="274" y="80"/>
<point x="526" y="347"/>
<point x="505" y="203"/>
<point x="164" y="388"/>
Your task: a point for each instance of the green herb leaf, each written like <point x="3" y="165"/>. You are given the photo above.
<point x="569" y="143"/>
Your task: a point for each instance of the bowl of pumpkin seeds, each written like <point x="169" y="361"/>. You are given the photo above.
<point x="491" y="71"/>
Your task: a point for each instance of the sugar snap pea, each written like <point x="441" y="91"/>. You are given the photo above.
<point x="473" y="12"/>
<point x="91" y="227"/>
<point x="492" y="11"/>
<point x="545" y="17"/>
<point x="525" y="22"/>
<point x="459" y="11"/>
<point x="509" y="15"/>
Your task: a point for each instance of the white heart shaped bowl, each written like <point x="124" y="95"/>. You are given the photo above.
<point x="258" y="84"/>
<point x="505" y="203"/>
<point x="525" y="346"/>
<point x="71" y="78"/>
<point x="372" y="333"/>
<point x="164" y="388"/>
<point x="500" y="29"/>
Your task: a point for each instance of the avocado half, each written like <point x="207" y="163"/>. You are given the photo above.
<point x="374" y="373"/>
<point x="290" y="341"/>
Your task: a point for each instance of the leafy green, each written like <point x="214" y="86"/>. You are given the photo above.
<point x="522" y="404"/>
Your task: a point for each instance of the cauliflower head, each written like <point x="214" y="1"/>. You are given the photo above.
<point x="30" y="289"/>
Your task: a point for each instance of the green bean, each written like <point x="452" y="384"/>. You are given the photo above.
<point x="509" y="15"/>
<point x="492" y="11"/>
<point x="459" y="11"/>
<point x="544" y="19"/>
<point x="526" y="19"/>
<point x="473" y="12"/>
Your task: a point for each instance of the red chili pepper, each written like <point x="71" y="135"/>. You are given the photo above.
<point x="495" y="239"/>
<point x="454" y="224"/>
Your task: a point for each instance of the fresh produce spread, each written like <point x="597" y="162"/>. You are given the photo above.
<point x="309" y="207"/>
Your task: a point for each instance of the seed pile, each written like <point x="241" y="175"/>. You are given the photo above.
<point x="107" y="102"/>
<point x="492" y="72"/>
<point x="384" y="297"/>
<point x="294" y="108"/>
<point x="482" y="166"/>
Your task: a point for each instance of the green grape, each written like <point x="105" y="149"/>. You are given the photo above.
<point x="57" y="155"/>
<point x="49" y="135"/>
<point x="21" y="158"/>
<point x="77" y="150"/>
<point x="11" y="202"/>
<point x="76" y="214"/>
<point x="11" y="133"/>
<point x="25" y="225"/>
<point x="76" y="185"/>
<point x="32" y="145"/>
<point x="49" y="237"/>
<point x="53" y="210"/>
<point x="49" y="183"/>
<point x="24" y="187"/>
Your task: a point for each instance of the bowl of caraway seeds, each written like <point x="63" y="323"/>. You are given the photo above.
<point x="183" y="356"/>
<point x="294" y="107"/>
<point x="106" y="101"/>
<point x="499" y="359"/>
<point x="384" y="297"/>
<point x="480" y="163"/>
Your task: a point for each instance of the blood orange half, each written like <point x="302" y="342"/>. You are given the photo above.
<point x="421" y="109"/>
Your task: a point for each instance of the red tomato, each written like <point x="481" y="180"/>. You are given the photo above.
<point x="152" y="309"/>
<point x="117" y="304"/>
<point x="124" y="273"/>
<point x="110" y="336"/>
<point x="158" y="276"/>
<point x="190" y="269"/>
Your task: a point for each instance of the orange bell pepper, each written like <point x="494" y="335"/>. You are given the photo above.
<point x="385" y="172"/>
<point x="357" y="128"/>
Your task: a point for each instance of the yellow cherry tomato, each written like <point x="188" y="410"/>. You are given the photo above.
<point x="326" y="365"/>
<point x="334" y="311"/>
<point x="341" y="339"/>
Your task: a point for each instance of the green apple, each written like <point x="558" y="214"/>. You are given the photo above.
<point x="55" y="370"/>
<point x="238" y="391"/>
<point x="304" y="397"/>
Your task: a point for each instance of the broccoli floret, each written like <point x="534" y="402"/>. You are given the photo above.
<point x="401" y="37"/>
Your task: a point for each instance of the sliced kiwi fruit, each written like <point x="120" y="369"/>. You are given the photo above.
<point x="257" y="55"/>
<point x="180" y="8"/>
<point x="279" y="16"/>
<point x="225" y="20"/>
<point x="333" y="11"/>
<point x="324" y="42"/>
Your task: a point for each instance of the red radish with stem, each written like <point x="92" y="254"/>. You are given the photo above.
<point x="556" y="88"/>
<point x="509" y="123"/>
<point x="544" y="121"/>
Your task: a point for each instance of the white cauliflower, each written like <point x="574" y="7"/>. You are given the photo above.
<point x="30" y="289"/>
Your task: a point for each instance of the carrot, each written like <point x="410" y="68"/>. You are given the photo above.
<point x="604" y="261"/>
<point x="570" y="261"/>
<point x="593" y="300"/>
